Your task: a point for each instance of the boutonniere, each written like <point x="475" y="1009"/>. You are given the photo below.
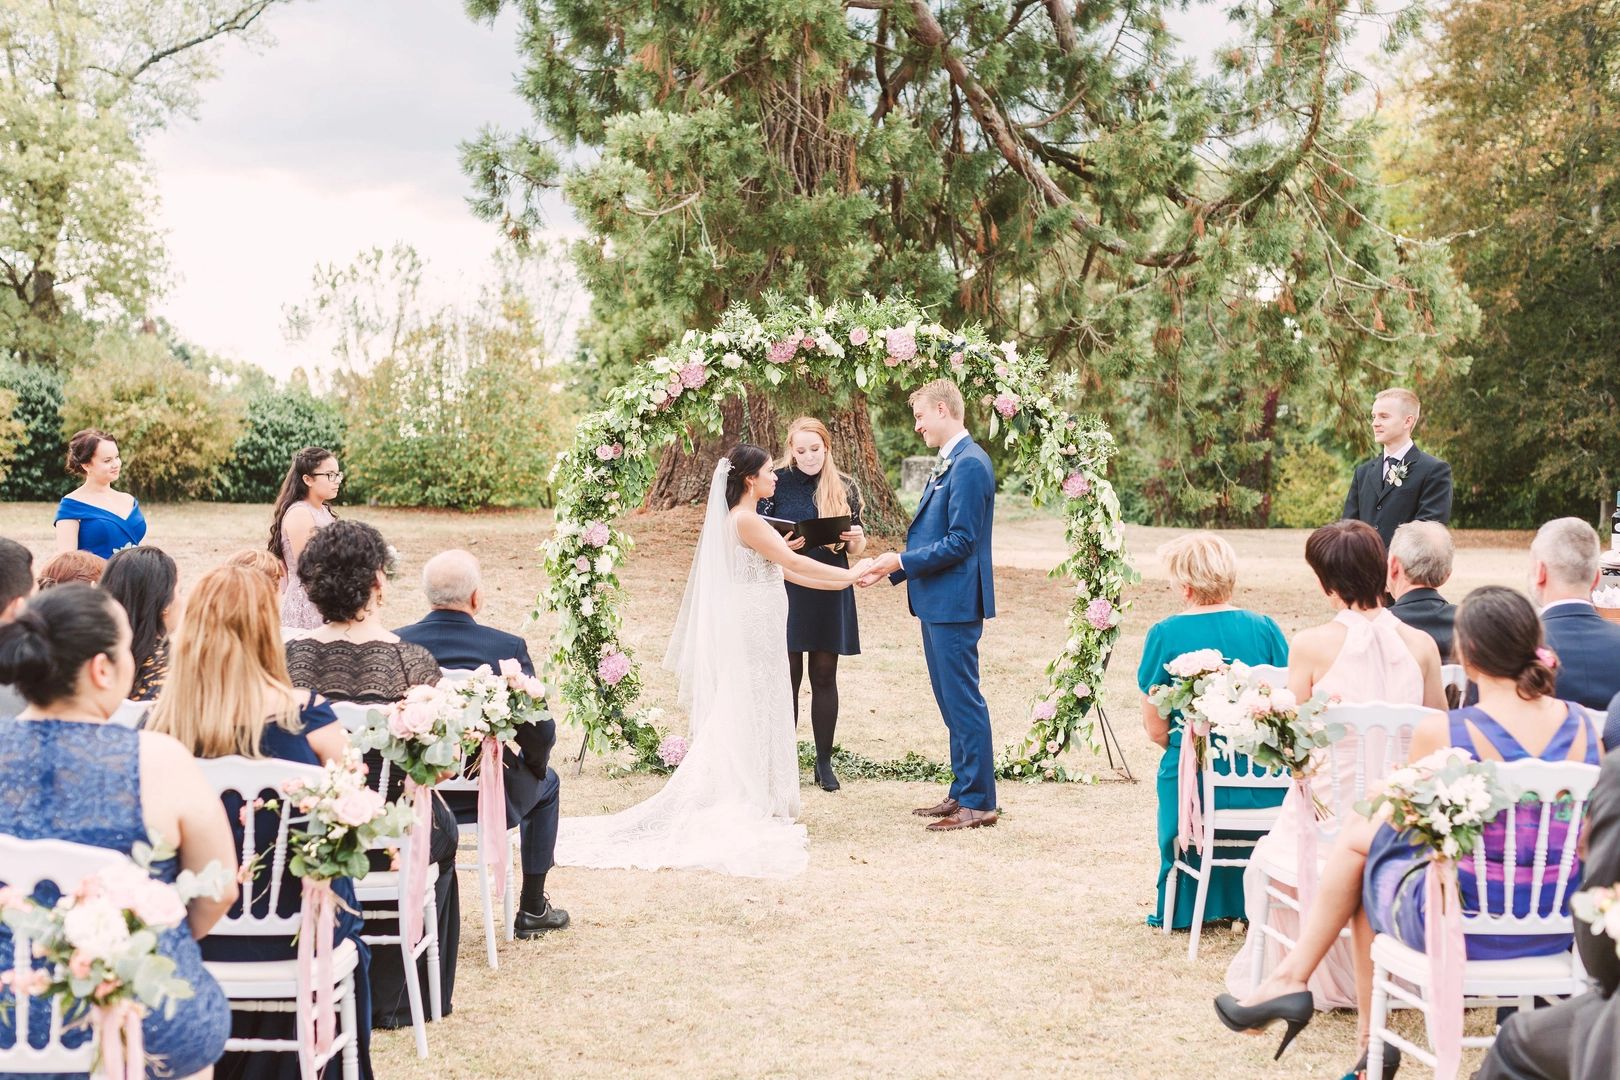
<point x="938" y="471"/>
<point x="1397" y="473"/>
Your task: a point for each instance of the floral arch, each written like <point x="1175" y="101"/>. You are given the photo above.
<point x="869" y="343"/>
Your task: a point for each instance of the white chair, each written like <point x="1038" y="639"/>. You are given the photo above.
<point x="463" y="783"/>
<point x="272" y="985"/>
<point x="352" y="714"/>
<point x="1377" y="736"/>
<point x="131" y="714"/>
<point x="1453" y="677"/>
<point x="1219" y="827"/>
<point x="1403" y="973"/>
<point x="28" y="863"/>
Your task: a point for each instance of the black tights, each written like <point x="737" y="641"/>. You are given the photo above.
<point x="823" y="696"/>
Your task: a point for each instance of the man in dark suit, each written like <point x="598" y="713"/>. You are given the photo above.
<point x="1402" y="483"/>
<point x="452" y="582"/>
<point x="1419" y="563"/>
<point x="1580" y="1038"/>
<point x="1563" y="571"/>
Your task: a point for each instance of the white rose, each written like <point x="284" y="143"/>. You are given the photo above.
<point x="604" y="565"/>
<point x="587" y="607"/>
<point x="97" y="928"/>
<point x="660" y="396"/>
<point x="731" y="360"/>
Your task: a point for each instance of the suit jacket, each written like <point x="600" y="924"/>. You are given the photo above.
<point x="1431" y="613"/>
<point x="456" y="640"/>
<point x="1588" y="648"/>
<point x="1424" y="495"/>
<point x="947" y="556"/>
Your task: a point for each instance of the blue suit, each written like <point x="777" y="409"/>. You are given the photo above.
<point x="951" y="589"/>
<point x="1588" y="649"/>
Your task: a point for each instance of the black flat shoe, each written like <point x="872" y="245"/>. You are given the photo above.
<point x="826" y="777"/>
<point x="1392" y="1063"/>
<point x="527" y="925"/>
<point x="1294" y="1009"/>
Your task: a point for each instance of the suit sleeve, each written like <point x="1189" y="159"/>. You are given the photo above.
<point x="1602" y="867"/>
<point x="970" y="494"/>
<point x="522" y="657"/>
<point x="1434" y="501"/>
<point x="1350" y="496"/>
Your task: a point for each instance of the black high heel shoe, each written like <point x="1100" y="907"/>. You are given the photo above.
<point x="825" y="775"/>
<point x="1294" y="1009"/>
<point x="1392" y="1062"/>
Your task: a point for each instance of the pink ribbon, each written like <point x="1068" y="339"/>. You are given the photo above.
<point x="317" y="1012"/>
<point x="1305" y="847"/>
<point x="123" y="1047"/>
<point x="492" y="815"/>
<point x="1443" y="941"/>
<point x="416" y="862"/>
<point x="1189" y="808"/>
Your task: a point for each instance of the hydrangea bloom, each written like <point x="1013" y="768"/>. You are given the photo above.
<point x="1007" y="405"/>
<point x="781" y="352"/>
<point x="672" y="751"/>
<point x="902" y="346"/>
<point x="1045" y="710"/>
<point x="595" y="534"/>
<point x="1100" y="613"/>
<point x="1076" y="485"/>
<point x="613" y="666"/>
<point x="694" y="375"/>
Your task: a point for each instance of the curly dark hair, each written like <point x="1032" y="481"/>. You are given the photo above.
<point x="338" y="568"/>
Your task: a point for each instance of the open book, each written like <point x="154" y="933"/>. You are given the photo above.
<point x="817" y="532"/>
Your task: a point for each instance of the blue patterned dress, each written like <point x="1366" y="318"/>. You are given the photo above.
<point x="71" y="780"/>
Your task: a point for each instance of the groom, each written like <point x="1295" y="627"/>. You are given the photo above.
<point x="951" y="591"/>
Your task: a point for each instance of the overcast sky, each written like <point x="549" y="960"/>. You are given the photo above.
<point x="340" y="136"/>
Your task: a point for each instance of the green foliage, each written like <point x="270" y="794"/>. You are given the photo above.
<point x="280" y="421"/>
<point x="37" y="470"/>
<point x="912" y="768"/>
<point x="1311" y="483"/>
<point x="174" y="428"/>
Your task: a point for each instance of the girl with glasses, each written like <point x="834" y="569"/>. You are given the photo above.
<point x="301" y="508"/>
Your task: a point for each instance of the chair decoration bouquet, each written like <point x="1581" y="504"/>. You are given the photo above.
<point x="493" y="705"/>
<point x="1190" y="674"/>
<point x="341" y="819"/>
<point x="1443" y="802"/>
<point x="99" y="947"/>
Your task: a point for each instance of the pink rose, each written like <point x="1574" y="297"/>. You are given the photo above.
<point x="613" y="666"/>
<point x="1076" y="485"/>
<point x="604" y="452"/>
<point x="583" y="564"/>
<point x="510" y="668"/>
<point x="782" y="351"/>
<point x="674" y="387"/>
<point x="79" y="964"/>
<point x="1100" y="613"/>
<point x="596" y="534"/>
<point x="808" y="342"/>
<point x="1001" y="370"/>
<point x="532" y="686"/>
<point x="957" y="360"/>
<point x="357" y="807"/>
<point x="1046" y="710"/>
<point x="1082" y="690"/>
<point x="156" y="904"/>
<point x="1053" y="746"/>
<point x="901" y="346"/>
<point x="694" y="375"/>
<point x="1007" y="405"/>
<point x="859" y="336"/>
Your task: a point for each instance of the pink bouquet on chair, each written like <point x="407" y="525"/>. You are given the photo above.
<point x="493" y="707"/>
<point x="99" y="944"/>
<point x="1443" y="802"/>
<point x="342" y="820"/>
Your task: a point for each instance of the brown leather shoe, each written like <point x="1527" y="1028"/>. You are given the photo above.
<point x="964" y="819"/>
<point x="944" y="809"/>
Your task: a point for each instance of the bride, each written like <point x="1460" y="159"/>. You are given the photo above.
<point x="730" y="805"/>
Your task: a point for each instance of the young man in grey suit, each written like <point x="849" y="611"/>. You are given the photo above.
<point x="1402" y="483"/>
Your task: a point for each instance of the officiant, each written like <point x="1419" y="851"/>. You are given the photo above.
<point x="821" y="624"/>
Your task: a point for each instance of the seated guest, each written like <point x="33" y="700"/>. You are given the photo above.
<point x="1364" y="654"/>
<point x="70" y="775"/>
<point x="16" y="585"/>
<point x="69" y="566"/>
<point x="1203" y="572"/>
<point x="145" y="581"/>
<point x="228" y="693"/>
<point x="1374" y="878"/>
<point x="1576" y="1039"/>
<point x="1419" y="563"/>
<point x="1563" y="572"/>
<point x="452" y="582"/>
<point x="353" y="657"/>
<point x="262" y="561"/>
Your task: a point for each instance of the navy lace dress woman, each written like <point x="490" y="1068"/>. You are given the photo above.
<point x="67" y="774"/>
<point x="821" y="624"/>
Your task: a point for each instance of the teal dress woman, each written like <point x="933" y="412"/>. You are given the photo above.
<point x="1239" y="635"/>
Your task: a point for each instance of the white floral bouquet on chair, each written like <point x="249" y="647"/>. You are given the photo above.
<point x="1190" y="674"/>
<point x="1442" y="801"/>
<point x="1267" y="723"/>
<point x="422" y="735"/>
<point x="99" y="944"/>
<point x="494" y="705"/>
<point x="343" y="819"/>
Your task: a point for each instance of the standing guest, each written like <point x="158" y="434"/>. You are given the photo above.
<point x="1364" y="654"/>
<point x="145" y="581"/>
<point x="450" y="632"/>
<point x="228" y="693"/>
<point x="70" y="775"/>
<point x="16" y="585"/>
<point x="267" y="564"/>
<point x="1202" y="568"/>
<point x="66" y="566"/>
<point x="93" y="517"/>
<point x="1419" y="563"/>
<point x="354" y="657"/>
<point x="1563" y="572"/>
<point x="1402" y="483"/>
<point x="821" y="623"/>
<point x="312" y="482"/>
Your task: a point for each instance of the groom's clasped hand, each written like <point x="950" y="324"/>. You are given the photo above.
<point x="879" y="568"/>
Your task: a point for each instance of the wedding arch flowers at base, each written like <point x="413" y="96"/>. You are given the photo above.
<point x="865" y="345"/>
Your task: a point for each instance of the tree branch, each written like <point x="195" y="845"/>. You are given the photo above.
<point x="1063" y="23"/>
<point x="236" y="23"/>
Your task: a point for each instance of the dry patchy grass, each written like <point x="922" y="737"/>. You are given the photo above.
<point x="1015" y="951"/>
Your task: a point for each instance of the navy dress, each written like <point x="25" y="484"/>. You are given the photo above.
<point x="819" y="620"/>
<point x="102" y="532"/>
<point x="78" y="781"/>
<point x="277" y="742"/>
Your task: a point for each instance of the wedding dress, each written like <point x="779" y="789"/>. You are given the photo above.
<point x="730" y="805"/>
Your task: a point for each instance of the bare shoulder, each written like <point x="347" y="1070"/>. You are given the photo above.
<point x="1317" y="642"/>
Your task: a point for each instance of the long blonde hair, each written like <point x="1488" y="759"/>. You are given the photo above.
<point x="222" y="662"/>
<point x="832" y="498"/>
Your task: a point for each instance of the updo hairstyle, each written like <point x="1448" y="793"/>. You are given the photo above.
<point x="82" y="449"/>
<point x="746" y="460"/>
<point x="43" y="649"/>
<point x="1499" y="634"/>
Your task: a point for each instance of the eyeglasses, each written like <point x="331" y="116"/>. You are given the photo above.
<point x="335" y="477"/>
